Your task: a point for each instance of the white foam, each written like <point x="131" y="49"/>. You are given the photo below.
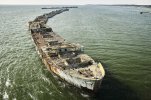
<point x="5" y="96"/>
<point x="50" y="93"/>
<point x="45" y="79"/>
<point x="8" y="69"/>
<point x="7" y="83"/>
<point x="14" y="99"/>
<point x="32" y="96"/>
<point x="41" y="91"/>
<point x="85" y="95"/>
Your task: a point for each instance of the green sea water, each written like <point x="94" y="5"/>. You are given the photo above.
<point x="117" y="36"/>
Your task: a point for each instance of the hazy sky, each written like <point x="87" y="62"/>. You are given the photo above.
<point x="75" y="2"/>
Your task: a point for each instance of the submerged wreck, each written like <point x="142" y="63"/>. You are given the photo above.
<point x="66" y="60"/>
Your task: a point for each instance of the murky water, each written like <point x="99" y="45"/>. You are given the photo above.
<point x="119" y="37"/>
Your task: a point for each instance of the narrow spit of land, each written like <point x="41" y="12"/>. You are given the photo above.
<point x="42" y="19"/>
<point x="60" y="7"/>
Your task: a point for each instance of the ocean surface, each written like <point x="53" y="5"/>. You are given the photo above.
<point x="117" y="36"/>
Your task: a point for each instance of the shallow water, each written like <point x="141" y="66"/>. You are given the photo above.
<point x="117" y="36"/>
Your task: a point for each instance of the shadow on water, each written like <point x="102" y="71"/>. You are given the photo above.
<point x="113" y="89"/>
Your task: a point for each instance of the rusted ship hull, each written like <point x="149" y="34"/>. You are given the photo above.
<point x="81" y="83"/>
<point x="71" y="75"/>
<point x="93" y="85"/>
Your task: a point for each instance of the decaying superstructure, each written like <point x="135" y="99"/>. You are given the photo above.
<point x="67" y="60"/>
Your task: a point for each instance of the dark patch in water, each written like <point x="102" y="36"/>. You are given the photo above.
<point x="113" y="89"/>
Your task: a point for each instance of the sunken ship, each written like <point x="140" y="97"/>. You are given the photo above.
<point x="67" y="60"/>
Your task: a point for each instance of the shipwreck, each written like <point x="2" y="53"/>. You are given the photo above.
<point x="67" y="60"/>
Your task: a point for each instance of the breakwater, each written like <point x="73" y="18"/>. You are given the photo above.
<point x="60" y="7"/>
<point x="40" y="21"/>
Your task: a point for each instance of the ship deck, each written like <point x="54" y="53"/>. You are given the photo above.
<point x="69" y="57"/>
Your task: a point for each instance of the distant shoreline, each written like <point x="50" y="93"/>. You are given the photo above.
<point x="76" y="5"/>
<point x="147" y="6"/>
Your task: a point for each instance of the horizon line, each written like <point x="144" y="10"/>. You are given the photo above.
<point x="73" y="4"/>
